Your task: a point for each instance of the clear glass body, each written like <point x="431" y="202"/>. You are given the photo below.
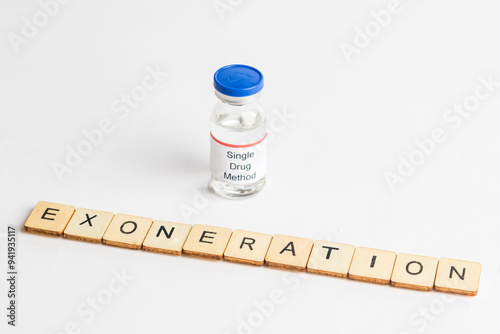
<point x="238" y="121"/>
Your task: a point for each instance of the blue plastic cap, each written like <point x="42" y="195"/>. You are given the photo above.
<point x="238" y="80"/>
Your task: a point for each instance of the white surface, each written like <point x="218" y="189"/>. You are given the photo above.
<point x="326" y="166"/>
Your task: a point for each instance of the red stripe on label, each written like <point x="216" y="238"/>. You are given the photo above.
<point x="238" y="146"/>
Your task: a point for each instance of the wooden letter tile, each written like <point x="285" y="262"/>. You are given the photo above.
<point x="127" y="231"/>
<point x="247" y="247"/>
<point x="458" y="276"/>
<point x="88" y="225"/>
<point x="49" y="218"/>
<point x="207" y="241"/>
<point x="330" y="258"/>
<point x="414" y="272"/>
<point x="166" y="237"/>
<point x="289" y="253"/>
<point x="372" y="265"/>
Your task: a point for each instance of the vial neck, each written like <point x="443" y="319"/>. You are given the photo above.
<point x="237" y="100"/>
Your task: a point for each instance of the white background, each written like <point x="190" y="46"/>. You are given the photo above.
<point x="352" y="121"/>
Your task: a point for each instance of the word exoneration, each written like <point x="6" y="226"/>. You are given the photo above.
<point x="279" y="251"/>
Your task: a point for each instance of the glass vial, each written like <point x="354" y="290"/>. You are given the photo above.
<point x="238" y="133"/>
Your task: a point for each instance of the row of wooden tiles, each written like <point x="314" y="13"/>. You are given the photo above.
<point x="279" y="251"/>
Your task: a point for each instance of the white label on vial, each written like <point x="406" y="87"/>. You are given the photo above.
<point x="238" y="164"/>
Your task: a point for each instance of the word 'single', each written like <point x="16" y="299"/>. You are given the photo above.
<point x="279" y="251"/>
